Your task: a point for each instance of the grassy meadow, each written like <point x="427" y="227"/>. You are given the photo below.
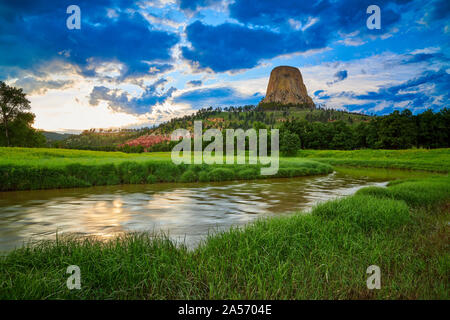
<point x="40" y="168"/>
<point x="436" y="160"/>
<point x="403" y="229"/>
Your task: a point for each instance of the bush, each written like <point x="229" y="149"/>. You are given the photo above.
<point x="221" y="174"/>
<point x="248" y="174"/>
<point x="151" y="179"/>
<point x="203" y="176"/>
<point x="132" y="171"/>
<point x="188" y="176"/>
<point x="137" y="179"/>
<point x="166" y="172"/>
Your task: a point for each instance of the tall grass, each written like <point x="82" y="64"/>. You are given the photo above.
<point x="322" y="255"/>
<point x="27" y="169"/>
<point x="418" y="193"/>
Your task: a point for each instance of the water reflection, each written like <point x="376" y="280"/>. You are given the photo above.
<point x="185" y="211"/>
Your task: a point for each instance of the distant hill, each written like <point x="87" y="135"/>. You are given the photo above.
<point x="271" y="114"/>
<point x="99" y="139"/>
<point x="54" y="136"/>
<point x="316" y="128"/>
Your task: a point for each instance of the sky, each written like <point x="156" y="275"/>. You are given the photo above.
<point x="139" y="63"/>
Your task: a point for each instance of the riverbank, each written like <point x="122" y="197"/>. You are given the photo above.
<point x="33" y="169"/>
<point x="403" y="229"/>
<point x="41" y="168"/>
<point x="435" y="160"/>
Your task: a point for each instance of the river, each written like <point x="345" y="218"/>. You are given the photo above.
<point x="186" y="212"/>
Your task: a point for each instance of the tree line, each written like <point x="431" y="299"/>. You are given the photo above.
<point x="398" y="130"/>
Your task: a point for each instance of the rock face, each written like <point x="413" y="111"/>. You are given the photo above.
<point x="286" y="87"/>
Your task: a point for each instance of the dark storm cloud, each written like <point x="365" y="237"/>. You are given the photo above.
<point x="228" y="47"/>
<point x="265" y="31"/>
<point x="32" y="32"/>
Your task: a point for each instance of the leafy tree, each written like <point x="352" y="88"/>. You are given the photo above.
<point x="289" y="143"/>
<point x="432" y="129"/>
<point x="257" y="125"/>
<point x="361" y="132"/>
<point x="398" y="130"/>
<point x="21" y="133"/>
<point x="343" y="137"/>
<point x="12" y="103"/>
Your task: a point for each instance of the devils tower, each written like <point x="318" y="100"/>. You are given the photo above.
<point x="286" y="87"/>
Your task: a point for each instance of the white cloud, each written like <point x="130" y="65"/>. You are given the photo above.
<point x="379" y="70"/>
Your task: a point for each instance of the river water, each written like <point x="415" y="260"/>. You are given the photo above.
<point x="186" y="212"/>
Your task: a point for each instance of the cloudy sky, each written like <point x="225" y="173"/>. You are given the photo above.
<point x="138" y="63"/>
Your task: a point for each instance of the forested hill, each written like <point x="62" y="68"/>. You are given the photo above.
<point x="271" y="115"/>
<point x="328" y="128"/>
<point x="300" y="128"/>
<point x="55" y="136"/>
<point x="231" y="117"/>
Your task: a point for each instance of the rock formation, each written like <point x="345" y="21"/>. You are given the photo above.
<point x="286" y="87"/>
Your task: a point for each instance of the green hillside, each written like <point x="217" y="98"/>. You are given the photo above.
<point x="244" y="117"/>
<point x="226" y="118"/>
<point x="100" y="139"/>
<point x="55" y="136"/>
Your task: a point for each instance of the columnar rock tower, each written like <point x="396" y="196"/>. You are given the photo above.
<point x="286" y="87"/>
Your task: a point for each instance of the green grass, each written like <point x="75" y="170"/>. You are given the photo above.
<point x="437" y="160"/>
<point x="61" y="157"/>
<point x="29" y="168"/>
<point x="386" y="174"/>
<point x="413" y="192"/>
<point x="321" y="255"/>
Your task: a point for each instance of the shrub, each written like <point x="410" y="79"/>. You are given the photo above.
<point x="221" y="174"/>
<point x="203" y="176"/>
<point x="132" y="171"/>
<point x="248" y="174"/>
<point x="167" y="172"/>
<point x="285" y="173"/>
<point x="188" y="176"/>
<point x="137" y="179"/>
<point x="151" y="179"/>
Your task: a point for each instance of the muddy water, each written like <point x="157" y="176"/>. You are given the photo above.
<point x="187" y="212"/>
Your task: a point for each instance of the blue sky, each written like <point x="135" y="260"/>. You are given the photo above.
<point x="138" y="63"/>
